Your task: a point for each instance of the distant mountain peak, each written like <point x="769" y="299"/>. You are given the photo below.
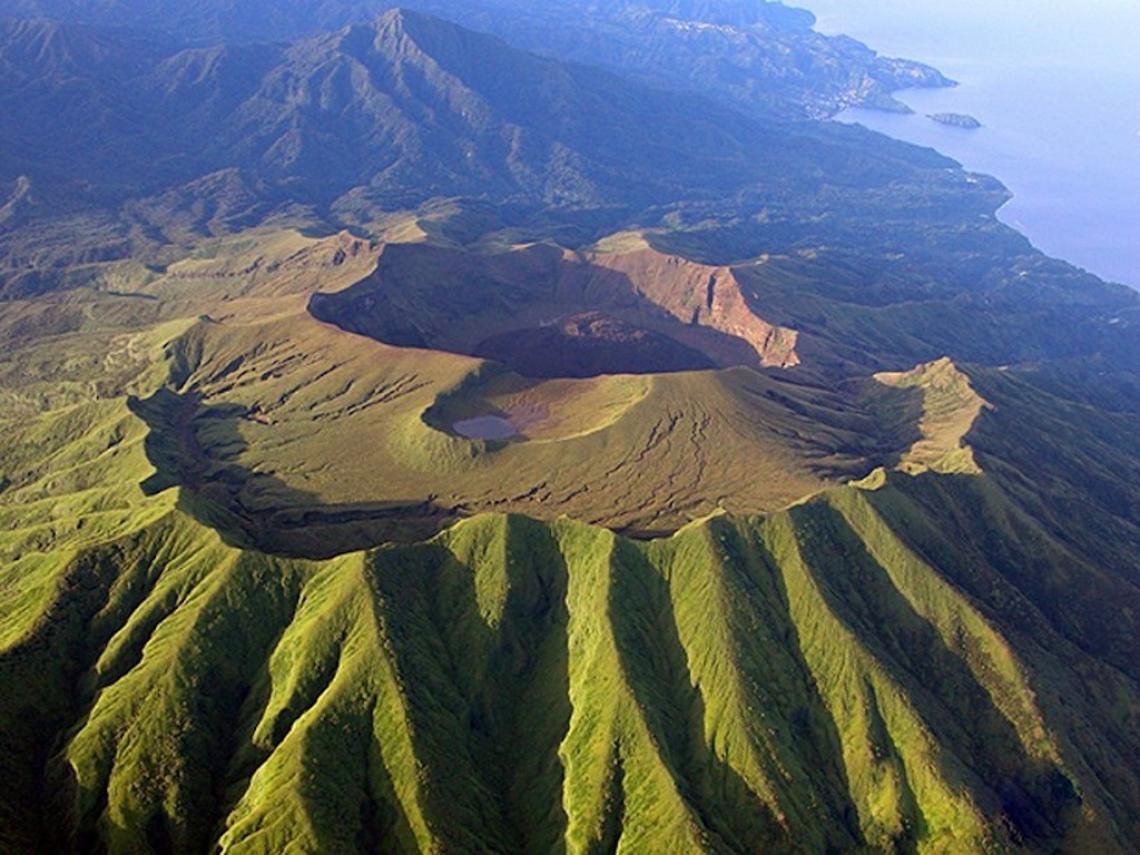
<point x="401" y="23"/>
<point x="48" y="43"/>
<point x="399" y="17"/>
<point x="399" y="34"/>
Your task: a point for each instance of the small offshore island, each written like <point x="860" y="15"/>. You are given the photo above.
<point x="956" y="120"/>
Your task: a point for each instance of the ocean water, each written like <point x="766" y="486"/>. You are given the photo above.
<point x="1056" y="84"/>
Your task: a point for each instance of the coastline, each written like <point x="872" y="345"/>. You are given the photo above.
<point x="1074" y="172"/>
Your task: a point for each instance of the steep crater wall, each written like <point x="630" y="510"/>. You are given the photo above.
<point x="547" y="312"/>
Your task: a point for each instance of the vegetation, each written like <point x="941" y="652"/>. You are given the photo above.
<point x="836" y="673"/>
<point x="815" y="529"/>
<point x="799" y="680"/>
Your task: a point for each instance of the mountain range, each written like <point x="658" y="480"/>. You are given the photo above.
<point x="530" y="428"/>
<point x="373" y="117"/>
<point x="734" y="50"/>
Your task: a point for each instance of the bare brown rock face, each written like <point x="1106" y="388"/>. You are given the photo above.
<point x="706" y="296"/>
<point x="547" y="312"/>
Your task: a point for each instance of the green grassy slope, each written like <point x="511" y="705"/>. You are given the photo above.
<point x="300" y="426"/>
<point x="924" y="643"/>
<point x="922" y="663"/>
<point x="809" y="680"/>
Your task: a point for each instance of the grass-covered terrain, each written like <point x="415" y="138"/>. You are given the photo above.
<point x="203" y="644"/>
<point x="409" y="443"/>
<point x="807" y="680"/>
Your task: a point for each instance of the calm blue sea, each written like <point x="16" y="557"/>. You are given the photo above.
<point x="1056" y="84"/>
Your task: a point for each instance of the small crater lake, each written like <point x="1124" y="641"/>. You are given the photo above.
<point x="486" y="427"/>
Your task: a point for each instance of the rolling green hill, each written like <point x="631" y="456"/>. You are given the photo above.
<point x="811" y="679"/>
<point x="907" y="651"/>
<point x="415" y="444"/>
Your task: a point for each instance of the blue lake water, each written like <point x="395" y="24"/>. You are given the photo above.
<point x="1056" y="84"/>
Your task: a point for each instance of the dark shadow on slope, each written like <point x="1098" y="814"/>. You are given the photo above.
<point x="489" y="702"/>
<point x="243" y="756"/>
<point x="531" y="671"/>
<point x="532" y="310"/>
<point x="811" y="730"/>
<point x="220" y="493"/>
<point x="613" y="823"/>
<point x="350" y="801"/>
<point x="1032" y="794"/>
<point x="384" y="824"/>
<point x="100" y="592"/>
<point x="225" y="685"/>
<point x="655" y="664"/>
<point x="1079" y="679"/>
<point x="97" y="595"/>
<point x="1068" y="479"/>
<point x="885" y="749"/>
<point x="997" y="541"/>
<point x="41" y="674"/>
<point x="896" y="415"/>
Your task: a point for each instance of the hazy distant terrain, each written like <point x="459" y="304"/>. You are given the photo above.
<point x="527" y="429"/>
<point x="730" y="50"/>
<point x="1056" y="89"/>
